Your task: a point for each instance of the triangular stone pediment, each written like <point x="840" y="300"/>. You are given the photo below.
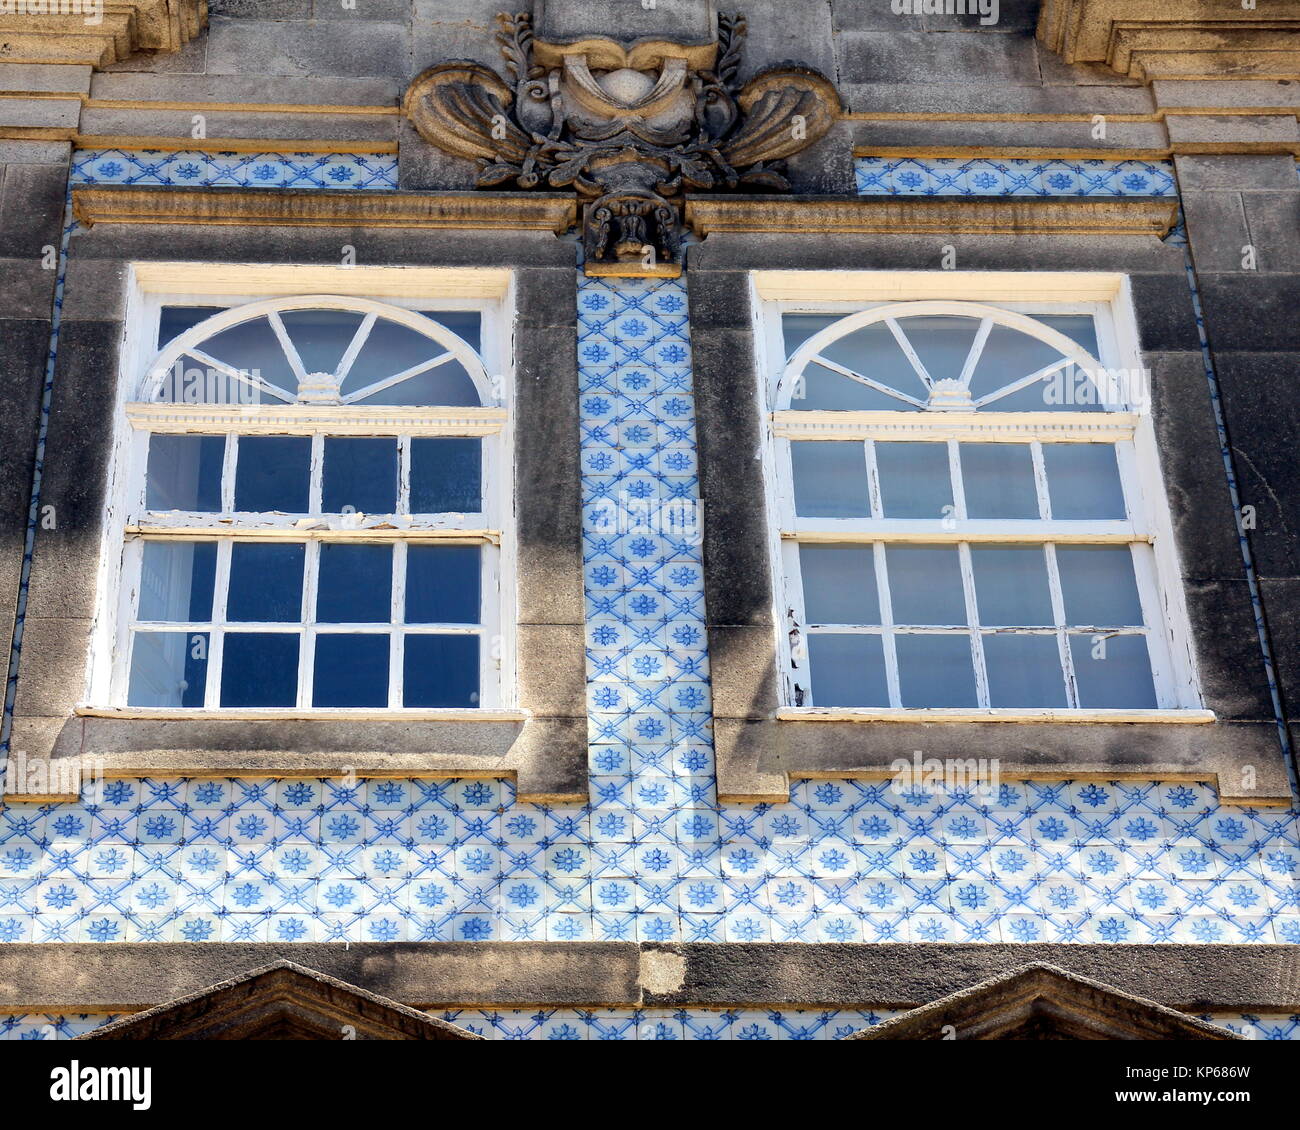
<point x="281" y="1001"/>
<point x="1042" y="1002"/>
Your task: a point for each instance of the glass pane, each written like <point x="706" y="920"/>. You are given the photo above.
<point x="1024" y="671"/>
<point x="441" y="671"/>
<point x="999" y="480"/>
<point x="914" y="479"/>
<point x="260" y="669"/>
<point x="925" y="585"/>
<point x="874" y="352"/>
<point x="360" y="474"/>
<point x="822" y="389"/>
<point x="871" y="352"/>
<point x="1009" y="355"/>
<point x="935" y="670"/>
<point x="1011" y="586"/>
<point x="1083" y="481"/>
<point x="391" y="349"/>
<point x="1113" y="671"/>
<point x="830" y="480"/>
<point x="442" y="584"/>
<point x="253" y="346"/>
<point x="798" y="328"/>
<point x="355" y="584"/>
<point x="321" y="336"/>
<point x="942" y="342"/>
<point x="176" y="580"/>
<point x="273" y="473"/>
<point x="1099" y="585"/>
<point x="168" y="669"/>
<point x="184" y="473"/>
<point x="847" y="670"/>
<point x="265" y="582"/>
<point x="1079" y="328"/>
<point x="190" y="381"/>
<point x="446" y="476"/>
<point x="465" y="324"/>
<point x="839" y="584"/>
<point x="350" y="670"/>
<point x="175" y="320"/>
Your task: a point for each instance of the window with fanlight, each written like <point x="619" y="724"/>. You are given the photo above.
<point x="969" y="513"/>
<point x="312" y="504"/>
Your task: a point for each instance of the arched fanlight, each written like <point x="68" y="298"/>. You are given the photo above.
<point x="383" y="355"/>
<point x="968" y="380"/>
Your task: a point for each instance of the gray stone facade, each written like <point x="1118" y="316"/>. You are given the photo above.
<point x="321" y="76"/>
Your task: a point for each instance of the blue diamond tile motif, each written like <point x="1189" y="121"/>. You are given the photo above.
<point x="646" y="1024"/>
<point x="652" y="856"/>
<point x="1020" y="176"/>
<point x="197" y="169"/>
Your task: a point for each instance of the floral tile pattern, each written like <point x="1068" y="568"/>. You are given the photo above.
<point x="196" y="169"/>
<point x="957" y="176"/>
<point x="652" y="856"/>
<point x="647" y="1024"/>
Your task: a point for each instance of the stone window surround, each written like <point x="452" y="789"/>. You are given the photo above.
<point x="153" y="290"/>
<point x="1108" y="300"/>
<point x="758" y="750"/>
<point x="542" y="743"/>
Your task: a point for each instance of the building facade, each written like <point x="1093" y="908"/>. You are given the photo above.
<point x="632" y="520"/>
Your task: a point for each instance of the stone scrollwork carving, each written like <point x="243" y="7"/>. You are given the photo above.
<point x="630" y="127"/>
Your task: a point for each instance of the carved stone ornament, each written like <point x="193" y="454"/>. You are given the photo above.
<point x="631" y="125"/>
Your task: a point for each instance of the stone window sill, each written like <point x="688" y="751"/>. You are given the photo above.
<point x="167" y="714"/>
<point x="862" y="714"/>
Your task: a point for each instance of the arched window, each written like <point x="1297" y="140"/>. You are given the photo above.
<point x="968" y="505"/>
<point x="313" y="513"/>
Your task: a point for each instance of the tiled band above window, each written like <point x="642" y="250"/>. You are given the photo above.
<point x="196" y="169"/>
<point x="958" y="176"/>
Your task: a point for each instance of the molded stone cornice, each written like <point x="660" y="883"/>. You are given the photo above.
<point x="59" y="31"/>
<point x="924" y="215"/>
<point x="278" y="208"/>
<point x="1152" y="39"/>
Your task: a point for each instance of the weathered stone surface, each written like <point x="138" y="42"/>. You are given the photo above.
<point x="1258" y="398"/>
<point x="1194" y="978"/>
<point x="33" y="78"/>
<point x="31" y="209"/>
<point x="127" y="977"/>
<point x="1191" y="462"/>
<point x="282" y="1001"/>
<point x="1236" y="172"/>
<point x="1042" y="1002"/>
<point x="302" y="49"/>
<point x="914" y="57"/>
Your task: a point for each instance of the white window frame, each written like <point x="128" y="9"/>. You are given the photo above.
<point x="151" y="286"/>
<point x="1148" y="526"/>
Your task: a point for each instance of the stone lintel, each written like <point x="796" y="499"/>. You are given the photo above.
<point x="934" y="215"/>
<point x="279" y="208"/>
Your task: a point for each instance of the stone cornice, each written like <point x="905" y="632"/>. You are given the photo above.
<point x="95" y="977"/>
<point x="929" y="215"/>
<point x="126" y="26"/>
<point x="1139" y="216"/>
<point x="1155" y="39"/>
<point x="287" y="209"/>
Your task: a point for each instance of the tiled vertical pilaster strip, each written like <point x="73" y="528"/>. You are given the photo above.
<point x="654" y="819"/>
